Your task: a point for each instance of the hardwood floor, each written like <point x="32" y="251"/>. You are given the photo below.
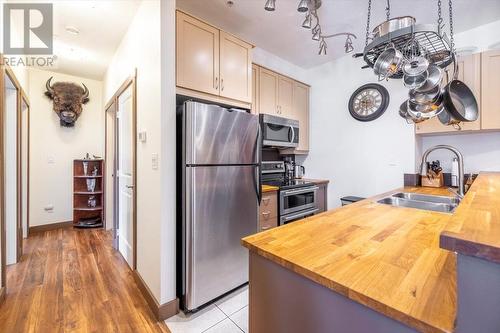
<point x="72" y="280"/>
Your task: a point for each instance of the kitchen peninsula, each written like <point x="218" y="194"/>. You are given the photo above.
<point x="369" y="267"/>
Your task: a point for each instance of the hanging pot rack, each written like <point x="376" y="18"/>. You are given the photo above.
<point x="436" y="47"/>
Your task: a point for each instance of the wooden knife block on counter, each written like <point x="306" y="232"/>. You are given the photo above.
<point x="430" y="181"/>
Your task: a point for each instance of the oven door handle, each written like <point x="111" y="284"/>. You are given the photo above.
<point x="301" y="214"/>
<point x="303" y="190"/>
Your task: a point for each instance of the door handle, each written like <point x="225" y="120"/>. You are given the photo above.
<point x="129" y="186"/>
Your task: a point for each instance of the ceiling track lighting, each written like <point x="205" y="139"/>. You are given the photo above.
<point x="270" y="5"/>
<point x="310" y="8"/>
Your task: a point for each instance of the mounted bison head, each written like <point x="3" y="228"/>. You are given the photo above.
<point x="68" y="99"/>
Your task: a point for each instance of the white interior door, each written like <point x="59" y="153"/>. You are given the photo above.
<point x="10" y="149"/>
<point x="126" y="175"/>
<point x="24" y="166"/>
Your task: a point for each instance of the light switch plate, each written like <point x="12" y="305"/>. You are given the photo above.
<point x="50" y="160"/>
<point x="143" y="136"/>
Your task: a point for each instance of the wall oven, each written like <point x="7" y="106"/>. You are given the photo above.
<point x="297" y="203"/>
<point x="279" y="132"/>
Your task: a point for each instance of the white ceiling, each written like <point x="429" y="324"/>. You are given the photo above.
<point x="102" y="25"/>
<point x="280" y="32"/>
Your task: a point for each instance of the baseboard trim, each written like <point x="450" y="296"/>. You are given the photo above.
<point x="2" y="295"/>
<point x="161" y="311"/>
<point x="49" y="227"/>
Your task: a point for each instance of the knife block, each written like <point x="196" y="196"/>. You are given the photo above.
<point x="433" y="181"/>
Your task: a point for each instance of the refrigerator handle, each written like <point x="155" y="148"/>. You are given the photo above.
<point x="257" y="153"/>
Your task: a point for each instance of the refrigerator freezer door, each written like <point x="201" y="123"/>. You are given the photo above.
<point x="221" y="209"/>
<point x="215" y="135"/>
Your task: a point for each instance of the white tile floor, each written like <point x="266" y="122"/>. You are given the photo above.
<point x="227" y="315"/>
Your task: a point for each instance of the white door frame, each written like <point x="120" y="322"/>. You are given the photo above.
<point x="112" y="157"/>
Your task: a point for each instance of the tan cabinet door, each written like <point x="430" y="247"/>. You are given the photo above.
<point x="469" y="71"/>
<point x="197" y="55"/>
<point x="235" y="68"/>
<point x="490" y="88"/>
<point x="268" y="92"/>
<point x="285" y="97"/>
<point x="255" y="89"/>
<point x="301" y="113"/>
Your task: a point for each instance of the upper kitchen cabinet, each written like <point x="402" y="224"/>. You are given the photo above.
<point x="197" y="55"/>
<point x="235" y="68"/>
<point x="285" y="97"/>
<point x="255" y="89"/>
<point x="490" y="81"/>
<point x="211" y="61"/>
<point x="301" y="113"/>
<point x="275" y="93"/>
<point x="469" y="71"/>
<point x="267" y="92"/>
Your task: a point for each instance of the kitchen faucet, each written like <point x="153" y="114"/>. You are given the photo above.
<point x="461" y="183"/>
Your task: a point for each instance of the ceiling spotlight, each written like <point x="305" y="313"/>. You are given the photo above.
<point x="317" y="34"/>
<point x="348" y="45"/>
<point x="307" y="22"/>
<point x="270" y="5"/>
<point x="303" y="6"/>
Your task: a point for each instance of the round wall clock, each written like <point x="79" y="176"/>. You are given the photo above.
<point x="368" y="102"/>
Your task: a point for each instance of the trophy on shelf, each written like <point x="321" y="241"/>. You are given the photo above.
<point x="92" y="202"/>
<point x="91" y="185"/>
<point x="95" y="171"/>
<point x="85" y="168"/>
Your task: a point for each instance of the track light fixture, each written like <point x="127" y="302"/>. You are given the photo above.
<point x="310" y="8"/>
<point x="303" y="6"/>
<point x="307" y="22"/>
<point x="270" y="5"/>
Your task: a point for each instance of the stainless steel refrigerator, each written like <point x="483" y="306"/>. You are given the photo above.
<point x="220" y="199"/>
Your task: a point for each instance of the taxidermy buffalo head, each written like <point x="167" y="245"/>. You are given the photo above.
<point x="68" y="100"/>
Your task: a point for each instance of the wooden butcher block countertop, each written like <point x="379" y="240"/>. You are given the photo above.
<point x="386" y="258"/>
<point x="476" y="231"/>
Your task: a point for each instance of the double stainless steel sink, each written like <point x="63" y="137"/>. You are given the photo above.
<point x="422" y="201"/>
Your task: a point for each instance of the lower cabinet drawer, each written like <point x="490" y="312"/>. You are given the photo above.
<point x="268" y="211"/>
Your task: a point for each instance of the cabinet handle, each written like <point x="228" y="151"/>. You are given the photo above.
<point x="266" y="214"/>
<point x="216" y="83"/>
<point x="266" y="227"/>
<point x="222" y="84"/>
<point x="265" y="201"/>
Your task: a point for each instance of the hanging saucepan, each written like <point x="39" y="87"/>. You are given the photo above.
<point x="403" y="112"/>
<point x="414" y="81"/>
<point x="425" y="97"/>
<point x="415" y="72"/>
<point x="425" y="111"/>
<point x="458" y="99"/>
<point x="434" y="79"/>
<point x="388" y="63"/>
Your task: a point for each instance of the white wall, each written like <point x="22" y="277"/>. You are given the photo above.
<point x="53" y="148"/>
<point x="275" y="63"/>
<point x="481" y="151"/>
<point x="140" y="48"/>
<point x="359" y="158"/>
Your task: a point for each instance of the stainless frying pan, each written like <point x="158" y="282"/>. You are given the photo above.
<point x="459" y="100"/>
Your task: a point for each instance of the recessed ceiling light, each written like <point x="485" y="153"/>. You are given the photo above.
<point x="72" y="30"/>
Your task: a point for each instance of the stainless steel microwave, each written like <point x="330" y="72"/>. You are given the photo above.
<point x="279" y="132"/>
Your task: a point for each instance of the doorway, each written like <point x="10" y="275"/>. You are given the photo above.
<point x="121" y="145"/>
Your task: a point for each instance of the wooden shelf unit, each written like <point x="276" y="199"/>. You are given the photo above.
<point x="81" y="193"/>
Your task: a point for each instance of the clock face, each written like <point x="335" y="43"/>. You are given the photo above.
<point x="368" y="102"/>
